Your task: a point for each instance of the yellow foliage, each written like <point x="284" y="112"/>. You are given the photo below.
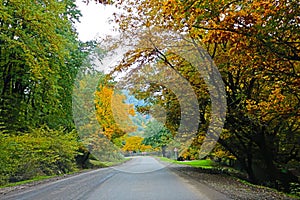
<point x="113" y="113"/>
<point x="134" y="143"/>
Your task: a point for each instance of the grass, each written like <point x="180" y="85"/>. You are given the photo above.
<point x="38" y="178"/>
<point x="206" y="164"/>
<point x="98" y="163"/>
<point x="200" y="163"/>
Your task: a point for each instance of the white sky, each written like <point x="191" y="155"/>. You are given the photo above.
<point x="94" y="20"/>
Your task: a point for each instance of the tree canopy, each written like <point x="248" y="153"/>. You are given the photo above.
<point x="40" y="58"/>
<point x="255" y="45"/>
<point x="157" y="136"/>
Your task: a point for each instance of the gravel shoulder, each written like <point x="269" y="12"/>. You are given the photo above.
<point x="227" y="185"/>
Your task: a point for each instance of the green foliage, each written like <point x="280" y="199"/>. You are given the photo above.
<point x="295" y="189"/>
<point x="41" y="151"/>
<point x="201" y="163"/>
<point x="40" y="56"/>
<point x="37" y="178"/>
<point x="157" y="135"/>
<point x="39" y="59"/>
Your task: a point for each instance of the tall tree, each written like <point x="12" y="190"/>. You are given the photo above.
<point x="38" y="46"/>
<point x="112" y="112"/>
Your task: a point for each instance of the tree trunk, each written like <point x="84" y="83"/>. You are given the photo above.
<point x="264" y="145"/>
<point x="163" y="150"/>
<point x="248" y="168"/>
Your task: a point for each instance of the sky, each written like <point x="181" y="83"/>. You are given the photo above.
<point x="94" y="24"/>
<point x="95" y="20"/>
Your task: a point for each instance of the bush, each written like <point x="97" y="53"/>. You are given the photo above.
<point x="295" y="189"/>
<point x="41" y="151"/>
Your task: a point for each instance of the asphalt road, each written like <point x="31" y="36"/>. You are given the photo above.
<point x="142" y="178"/>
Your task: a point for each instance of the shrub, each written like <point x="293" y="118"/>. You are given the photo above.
<point x="41" y="151"/>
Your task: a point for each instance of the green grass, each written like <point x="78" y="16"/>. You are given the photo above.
<point x="97" y="163"/>
<point x="38" y="178"/>
<point x="207" y="164"/>
<point x="200" y="163"/>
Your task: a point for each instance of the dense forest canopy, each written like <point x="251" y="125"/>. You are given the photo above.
<point x="40" y="57"/>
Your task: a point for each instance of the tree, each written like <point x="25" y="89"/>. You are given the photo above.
<point x="157" y="136"/>
<point x="256" y="48"/>
<point x="101" y="115"/>
<point x="40" y="56"/>
<point x="134" y="144"/>
<point x="112" y="112"/>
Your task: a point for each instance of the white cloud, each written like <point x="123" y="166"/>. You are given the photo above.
<point x="95" y="20"/>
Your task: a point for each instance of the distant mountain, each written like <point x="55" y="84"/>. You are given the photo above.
<point x="140" y="120"/>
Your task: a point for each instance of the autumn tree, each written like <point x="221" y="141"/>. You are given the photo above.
<point x="112" y="112"/>
<point x="113" y="116"/>
<point x="101" y="115"/>
<point x="255" y="46"/>
<point x="135" y="144"/>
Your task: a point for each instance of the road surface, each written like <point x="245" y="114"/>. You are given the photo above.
<point x="142" y="178"/>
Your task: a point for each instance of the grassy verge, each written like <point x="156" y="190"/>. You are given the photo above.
<point x="205" y="164"/>
<point x="100" y="164"/>
<point x="208" y="166"/>
<point x="38" y="178"/>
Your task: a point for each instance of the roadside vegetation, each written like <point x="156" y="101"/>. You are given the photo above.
<point x="37" y="178"/>
<point x="205" y="164"/>
<point x="210" y="167"/>
<point x="40" y="59"/>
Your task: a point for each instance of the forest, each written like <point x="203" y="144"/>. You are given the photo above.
<point x="58" y="113"/>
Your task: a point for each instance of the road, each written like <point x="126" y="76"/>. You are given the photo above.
<point x="142" y="178"/>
